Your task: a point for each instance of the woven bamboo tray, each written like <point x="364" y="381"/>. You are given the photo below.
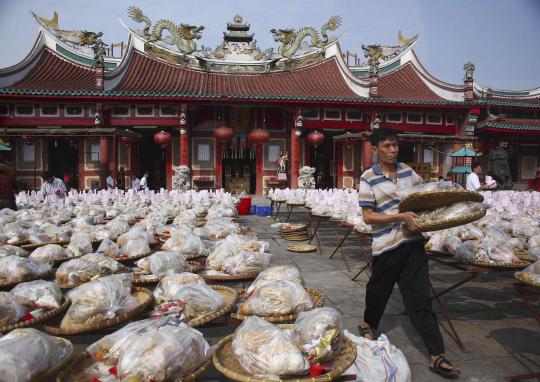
<point x="71" y="286"/>
<point x="131" y="258"/>
<point x="502" y="266"/>
<point x="139" y="279"/>
<point x="526" y="257"/>
<point x="42" y="276"/>
<point x="524" y="280"/>
<point x="316" y="296"/>
<point x="237" y="277"/>
<point x="302" y="238"/>
<point x="431" y="252"/>
<point x="144" y="296"/>
<point x="322" y="216"/>
<point x="45" y="316"/>
<point x="230" y="296"/>
<point x="31" y="247"/>
<point x="438" y="225"/>
<point x="226" y="363"/>
<point x="302" y="248"/>
<point x="46" y="374"/>
<point x="74" y="371"/>
<point x="430" y="200"/>
<point x="295" y="204"/>
<point x="294" y="228"/>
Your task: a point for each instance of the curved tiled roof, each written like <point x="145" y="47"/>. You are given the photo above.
<point x="516" y="124"/>
<point x="405" y="84"/>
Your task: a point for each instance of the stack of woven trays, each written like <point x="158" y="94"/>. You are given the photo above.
<point x="294" y="232"/>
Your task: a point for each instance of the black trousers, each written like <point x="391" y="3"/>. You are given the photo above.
<point x="408" y="266"/>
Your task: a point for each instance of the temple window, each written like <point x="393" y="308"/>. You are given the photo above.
<point x="28" y="152"/>
<point x="449" y="119"/>
<point x="273" y="153"/>
<point x="414" y="118"/>
<point x="434" y="119"/>
<point x="332" y="114"/>
<point x="24" y="110"/>
<point x="203" y="152"/>
<point x="144" y="111"/>
<point x="74" y="110"/>
<point x="168" y="111"/>
<point x="4" y="110"/>
<point x="310" y="114"/>
<point x="94" y="153"/>
<point x="393" y="117"/>
<point x="49" y="110"/>
<point x="353" y="115"/>
<point x="120" y="111"/>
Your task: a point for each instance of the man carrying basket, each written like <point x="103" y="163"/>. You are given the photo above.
<point x="398" y="250"/>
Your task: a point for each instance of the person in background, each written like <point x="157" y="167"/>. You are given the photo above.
<point x="121" y="179"/>
<point x="449" y="177"/>
<point x="8" y="189"/>
<point x="110" y="181"/>
<point x="144" y="181"/>
<point x="473" y="181"/>
<point x="135" y="183"/>
<point x="53" y="189"/>
<point x="68" y="179"/>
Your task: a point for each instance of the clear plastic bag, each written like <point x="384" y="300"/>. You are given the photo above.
<point x="80" y="244"/>
<point x="24" y="353"/>
<point x="108" y="248"/>
<point x="192" y="245"/>
<point x="162" y="263"/>
<point x="534" y="241"/>
<point x="200" y="299"/>
<point x="223" y="250"/>
<point x="265" y="351"/>
<point x="450" y="212"/>
<point x="38" y="293"/>
<point x="15" y="268"/>
<point x="468" y="251"/>
<point x="76" y="272"/>
<point x="318" y="333"/>
<point x="105" y="262"/>
<point x="277" y="298"/>
<point x="534" y="252"/>
<point x="136" y="246"/>
<point x="168" y="286"/>
<point x="48" y="252"/>
<point x="99" y="300"/>
<point x="280" y="272"/>
<point x="246" y="262"/>
<point x="451" y="244"/>
<point x="11" y="250"/>
<point x="11" y="310"/>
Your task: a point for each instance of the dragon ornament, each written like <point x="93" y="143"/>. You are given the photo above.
<point x="182" y="35"/>
<point x="82" y="38"/>
<point x="291" y="40"/>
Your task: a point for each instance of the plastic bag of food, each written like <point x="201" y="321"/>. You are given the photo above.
<point x="108" y="248"/>
<point x="37" y="236"/>
<point x="168" y="286"/>
<point x="76" y="272"/>
<point x="80" y="244"/>
<point x="11" y="250"/>
<point x="176" y="239"/>
<point x="134" y="247"/>
<point x="534" y="241"/>
<point x="200" y="299"/>
<point x="280" y="272"/>
<point x="192" y="245"/>
<point x="249" y="243"/>
<point x="48" y="252"/>
<point x="106" y="263"/>
<point x="99" y="300"/>
<point x="38" y="293"/>
<point x="277" y="298"/>
<point x="245" y="262"/>
<point x="318" y="333"/>
<point x="265" y="351"/>
<point x="451" y="244"/>
<point x="534" y="252"/>
<point x="469" y="250"/>
<point x="15" y="268"/>
<point x="11" y="310"/>
<point x="499" y="251"/>
<point x="450" y="212"/>
<point x="469" y="232"/>
<point x="24" y="353"/>
<point x="161" y="263"/>
<point x="220" y="253"/>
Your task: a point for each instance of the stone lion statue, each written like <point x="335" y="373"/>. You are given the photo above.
<point x="182" y="178"/>
<point x="500" y="169"/>
<point x="306" y="180"/>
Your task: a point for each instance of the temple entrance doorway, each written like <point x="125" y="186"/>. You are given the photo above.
<point x="63" y="160"/>
<point x="151" y="158"/>
<point x="239" y="167"/>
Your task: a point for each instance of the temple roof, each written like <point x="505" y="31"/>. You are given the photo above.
<point x="406" y="84"/>
<point x="511" y="124"/>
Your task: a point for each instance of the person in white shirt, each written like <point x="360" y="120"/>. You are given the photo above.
<point x="473" y="181"/>
<point x="53" y="189"/>
<point x="110" y="181"/>
<point x="135" y="183"/>
<point x="144" y="181"/>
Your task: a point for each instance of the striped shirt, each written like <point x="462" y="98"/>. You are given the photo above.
<point x="377" y="190"/>
<point x="50" y="189"/>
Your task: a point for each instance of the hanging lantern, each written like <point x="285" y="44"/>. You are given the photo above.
<point x="259" y="136"/>
<point x="315" y="138"/>
<point x="223" y="133"/>
<point x="162" y="138"/>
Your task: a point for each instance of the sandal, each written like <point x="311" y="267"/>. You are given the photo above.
<point x="445" y="372"/>
<point x="366" y="331"/>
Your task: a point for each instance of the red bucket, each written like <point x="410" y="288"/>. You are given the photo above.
<point x="244" y="206"/>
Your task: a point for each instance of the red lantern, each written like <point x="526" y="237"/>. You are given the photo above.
<point x="162" y="138"/>
<point x="126" y="140"/>
<point x="259" y="136"/>
<point x="315" y="138"/>
<point x="223" y="133"/>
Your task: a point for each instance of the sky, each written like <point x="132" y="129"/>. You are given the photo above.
<point x="501" y="37"/>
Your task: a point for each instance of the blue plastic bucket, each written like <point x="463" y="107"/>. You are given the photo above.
<point x="267" y="211"/>
<point x="260" y="211"/>
<point x="253" y="209"/>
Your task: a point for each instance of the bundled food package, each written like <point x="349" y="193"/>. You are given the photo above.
<point x="452" y="211"/>
<point x="38" y="294"/>
<point x="12" y="250"/>
<point x="25" y="353"/>
<point x="280" y="272"/>
<point x="223" y="250"/>
<point x="531" y="274"/>
<point x="436" y="241"/>
<point x="168" y="287"/>
<point x="49" y="252"/>
<point x="76" y="272"/>
<point x="245" y="262"/>
<point x="163" y="262"/>
<point x="80" y="244"/>
<point x="200" y="299"/>
<point x="277" y="298"/>
<point x="99" y="300"/>
<point x="15" y="268"/>
<point x="533" y="241"/>
<point x="108" y="248"/>
<point x="265" y="351"/>
<point x="249" y="243"/>
<point x="192" y="245"/>
<point x="451" y="244"/>
<point x="136" y="246"/>
<point x="11" y="310"/>
<point x="318" y="333"/>
<point x="105" y="262"/>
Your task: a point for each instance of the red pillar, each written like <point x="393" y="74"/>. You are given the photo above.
<point x="295" y="157"/>
<point x="219" y="164"/>
<point x="103" y="161"/>
<point x="184" y="136"/>
<point x="339" y="153"/>
<point x="366" y="155"/>
<point x="259" y="167"/>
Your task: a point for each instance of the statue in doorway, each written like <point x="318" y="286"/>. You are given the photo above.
<point x="282" y="163"/>
<point x="500" y="168"/>
<point x="182" y="178"/>
<point x="306" y="180"/>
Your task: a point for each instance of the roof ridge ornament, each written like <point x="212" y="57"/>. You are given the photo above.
<point x="469" y="71"/>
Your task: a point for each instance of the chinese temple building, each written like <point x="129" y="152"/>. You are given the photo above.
<point x="228" y="113"/>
